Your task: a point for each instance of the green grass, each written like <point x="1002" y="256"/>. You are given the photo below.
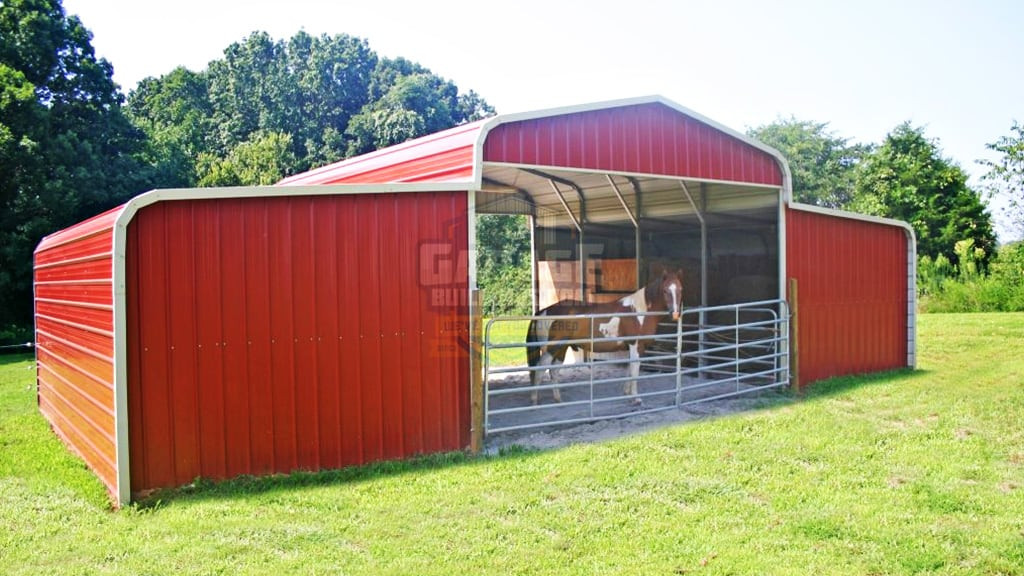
<point x="904" y="473"/>
<point x="507" y="332"/>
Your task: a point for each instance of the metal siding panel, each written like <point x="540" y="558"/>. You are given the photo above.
<point x="370" y="358"/>
<point x="97" y="243"/>
<point x="74" y="428"/>
<point x="76" y="271"/>
<point x="641" y="138"/>
<point x="445" y="320"/>
<point x="305" y="383"/>
<point x="430" y="346"/>
<point x="182" y="335"/>
<point x="282" y="367"/>
<point x="328" y="347"/>
<point x="80" y="294"/>
<point x="231" y="291"/>
<point x="93" y="376"/>
<point x="84" y="397"/>
<point x="257" y="273"/>
<point x="350" y="312"/>
<point x="391" y="226"/>
<point x="209" y="336"/>
<point x="852" y="298"/>
<point x="155" y="453"/>
<point x="412" y="302"/>
<point x="75" y="313"/>
<point x="88" y="341"/>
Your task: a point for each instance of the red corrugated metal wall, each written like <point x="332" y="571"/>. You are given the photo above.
<point x="644" y="138"/>
<point x="274" y="334"/>
<point x="852" y="285"/>
<point x="74" y="340"/>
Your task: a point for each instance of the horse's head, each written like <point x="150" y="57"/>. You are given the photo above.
<point x="672" y="292"/>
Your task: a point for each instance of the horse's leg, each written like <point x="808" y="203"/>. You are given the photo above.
<point x="537" y="376"/>
<point x="634" y="371"/>
<point x="559" y="358"/>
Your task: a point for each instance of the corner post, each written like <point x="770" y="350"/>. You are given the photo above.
<point x="476" y="378"/>
<point x="794" y="336"/>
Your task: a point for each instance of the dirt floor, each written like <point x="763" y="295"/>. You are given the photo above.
<point x="583" y="401"/>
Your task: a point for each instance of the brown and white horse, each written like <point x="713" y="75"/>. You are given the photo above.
<point x="550" y="335"/>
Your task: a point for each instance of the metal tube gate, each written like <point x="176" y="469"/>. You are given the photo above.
<point x="737" y="349"/>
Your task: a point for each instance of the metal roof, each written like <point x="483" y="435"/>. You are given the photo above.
<point x="590" y="162"/>
<point x="648" y="136"/>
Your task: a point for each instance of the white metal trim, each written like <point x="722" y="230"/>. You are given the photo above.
<point x="851" y="215"/>
<point x="471" y="241"/>
<point x="118" y="278"/>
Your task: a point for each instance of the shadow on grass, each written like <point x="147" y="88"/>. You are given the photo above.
<point x="843" y="384"/>
<point x="245" y="486"/>
<point x="14" y="358"/>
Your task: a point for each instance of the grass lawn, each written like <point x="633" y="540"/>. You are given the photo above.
<point x="507" y="332"/>
<point x="904" y="473"/>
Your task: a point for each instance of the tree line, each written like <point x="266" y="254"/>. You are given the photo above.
<point x="73" y="145"/>
<point x="960" y="267"/>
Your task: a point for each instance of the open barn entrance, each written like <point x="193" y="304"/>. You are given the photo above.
<point x="599" y="237"/>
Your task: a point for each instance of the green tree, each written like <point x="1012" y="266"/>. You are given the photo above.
<point x="822" y="164"/>
<point x="503" y="263"/>
<point x="331" y="95"/>
<point x="175" y="112"/>
<point x="1005" y="175"/>
<point x="907" y="178"/>
<point x="66" y="149"/>
<point x="261" y="160"/>
<point x="413" y="102"/>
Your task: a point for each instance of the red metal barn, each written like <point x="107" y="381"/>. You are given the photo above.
<point x="325" y="322"/>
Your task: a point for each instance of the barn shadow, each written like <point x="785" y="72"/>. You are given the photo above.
<point x="544" y="438"/>
<point x="515" y="447"/>
<point x="839" y="385"/>
<point x="246" y="486"/>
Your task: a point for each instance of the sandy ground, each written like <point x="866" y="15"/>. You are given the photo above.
<point x="659" y="391"/>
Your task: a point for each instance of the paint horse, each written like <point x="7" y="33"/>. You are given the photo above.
<point x="664" y="294"/>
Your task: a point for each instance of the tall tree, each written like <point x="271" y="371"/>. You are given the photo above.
<point x="412" y="102"/>
<point x="66" y="149"/>
<point x="175" y="112"/>
<point x="907" y="178"/>
<point x="822" y="164"/>
<point x="503" y="263"/>
<point x="261" y="160"/>
<point x="1005" y="175"/>
<point x="325" y="96"/>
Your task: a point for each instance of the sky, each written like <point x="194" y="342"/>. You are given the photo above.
<point x="954" y="67"/>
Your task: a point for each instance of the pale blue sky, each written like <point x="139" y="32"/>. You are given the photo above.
<point x="956" y="67"/>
